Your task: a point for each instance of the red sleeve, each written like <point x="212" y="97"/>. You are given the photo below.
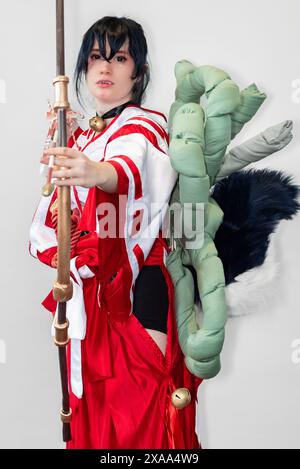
<point x="123" y="180"/>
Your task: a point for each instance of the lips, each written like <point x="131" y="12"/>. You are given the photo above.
<point x="104" y="82"/>
<point x="101" y="84"/>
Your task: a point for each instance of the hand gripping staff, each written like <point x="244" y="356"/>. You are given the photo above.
<point x="62" y="288"/>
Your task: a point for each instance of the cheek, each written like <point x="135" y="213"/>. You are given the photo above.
<point x="91" y="67"/>
<point x="128" y="73"/>
<point x="88" y="76"/>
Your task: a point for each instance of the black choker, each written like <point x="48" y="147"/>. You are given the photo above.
<point x="98" y="123"/>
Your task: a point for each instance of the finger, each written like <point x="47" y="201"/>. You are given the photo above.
<point x="68" y="182"/>
<point x="62" y="151"/>
<point x="68" y="162"/>
<point x="63" y="173"/>
<point x="60" y="160"/>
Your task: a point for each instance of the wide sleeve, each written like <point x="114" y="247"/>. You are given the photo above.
<point x="43" y="228"/>
<point x="126" y="152"/>
<point x="140" y="156"/>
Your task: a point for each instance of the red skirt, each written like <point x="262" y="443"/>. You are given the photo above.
<point x="128" y="382"/>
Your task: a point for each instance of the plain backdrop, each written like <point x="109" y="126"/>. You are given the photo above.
<point x="254" y="401"/>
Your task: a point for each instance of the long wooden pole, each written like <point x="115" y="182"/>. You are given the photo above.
<point x="62" y="289"/>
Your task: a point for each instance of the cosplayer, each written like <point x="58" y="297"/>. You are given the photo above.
<point x="137" y="352"/>
<point x="124" y="357"/>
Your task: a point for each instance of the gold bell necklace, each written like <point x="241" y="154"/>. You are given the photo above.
<point x="98" y="124"/>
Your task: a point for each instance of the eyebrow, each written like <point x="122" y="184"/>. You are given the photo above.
<point x="122" y="51"/>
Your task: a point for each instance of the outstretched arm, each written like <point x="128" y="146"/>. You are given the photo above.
<point x="79" y="170"/>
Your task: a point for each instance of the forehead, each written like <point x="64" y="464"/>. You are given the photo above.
<point x="123" y="48"/>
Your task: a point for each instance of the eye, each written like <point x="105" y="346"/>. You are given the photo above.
<point x="94" y="56"/>
<point x="123" y="59"/>
<point x="118" y="58"/>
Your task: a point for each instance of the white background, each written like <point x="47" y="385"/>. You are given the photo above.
<point x="254" y="401"/>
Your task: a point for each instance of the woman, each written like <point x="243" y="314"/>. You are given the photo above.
<point x="124" y="359"/>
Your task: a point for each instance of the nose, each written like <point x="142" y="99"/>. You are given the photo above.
<point x="105" y="65"/>
<point x="104" y="70"/>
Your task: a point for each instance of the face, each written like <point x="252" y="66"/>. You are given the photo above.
<point x="117" y="71"/>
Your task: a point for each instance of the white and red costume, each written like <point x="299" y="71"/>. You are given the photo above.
<point x="120" y="382"/>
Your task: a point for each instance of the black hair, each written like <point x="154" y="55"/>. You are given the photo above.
<point x="116" y="30"/>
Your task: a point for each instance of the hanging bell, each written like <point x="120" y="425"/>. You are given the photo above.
<point x="180" y="398"/>
<point x="97" y="124"/>
<point x="47" y="189"/>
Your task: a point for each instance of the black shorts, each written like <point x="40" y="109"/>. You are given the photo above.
<point x="150" y="299"/>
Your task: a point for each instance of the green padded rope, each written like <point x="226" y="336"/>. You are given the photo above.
<point x="198" y="142"/>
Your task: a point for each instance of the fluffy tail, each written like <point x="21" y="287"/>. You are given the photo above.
<point x="253" y="203"/>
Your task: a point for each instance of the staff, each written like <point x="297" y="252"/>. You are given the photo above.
<point x="62" y="288"/>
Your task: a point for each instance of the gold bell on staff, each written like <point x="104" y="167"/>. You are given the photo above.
<point x="180" y="398"/>
<point x="47" y="189"/>
<point x="97" y="124"/>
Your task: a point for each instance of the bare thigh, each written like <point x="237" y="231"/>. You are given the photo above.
<point x="160" y="338"/>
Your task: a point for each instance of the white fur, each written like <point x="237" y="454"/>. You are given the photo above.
<point x="255" y="287"/>
<point x="253" y="290"/>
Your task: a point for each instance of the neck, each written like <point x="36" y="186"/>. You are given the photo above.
<point x="102" y="108"/>
<point x="108" y="120"/>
